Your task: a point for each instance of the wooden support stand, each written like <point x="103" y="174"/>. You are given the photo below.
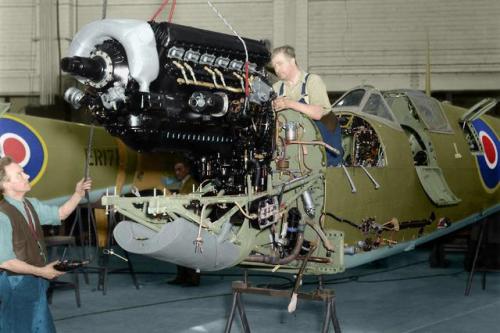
<point x="325" y="295"/>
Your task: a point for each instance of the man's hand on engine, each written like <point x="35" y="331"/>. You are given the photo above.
<point x="281" y="103"/>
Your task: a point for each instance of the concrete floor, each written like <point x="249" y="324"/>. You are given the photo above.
<point x="402" y="294"/>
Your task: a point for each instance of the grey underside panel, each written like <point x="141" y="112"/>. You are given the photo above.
<point x="175" y="243"/>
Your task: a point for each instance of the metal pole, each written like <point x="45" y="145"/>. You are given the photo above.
<point x="231" y="314"/>
<point x="243" y="316"/>
<point x="326" y="320"/>
<point x="333" y="314"/>
<point x="474" y="262"/>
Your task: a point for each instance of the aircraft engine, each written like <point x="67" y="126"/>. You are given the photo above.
<point x="166" y="87"/>
<point x="163" y="87"/>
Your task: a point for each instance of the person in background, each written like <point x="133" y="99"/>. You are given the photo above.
<point x="24" y="270"/>
<point x="186" y="276"/>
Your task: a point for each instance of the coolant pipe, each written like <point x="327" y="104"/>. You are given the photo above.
<point x="257" y="171"/>
<point x="273" y="260"/>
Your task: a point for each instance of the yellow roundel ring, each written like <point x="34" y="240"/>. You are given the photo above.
<point x="25" y="145"/>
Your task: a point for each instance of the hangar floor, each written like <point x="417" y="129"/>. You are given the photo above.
<point x="402" y="294"/>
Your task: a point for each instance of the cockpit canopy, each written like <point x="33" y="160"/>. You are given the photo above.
<point x="428" y="109"/>
<point x="366" y="100"/>
<point x="391" y="107"/>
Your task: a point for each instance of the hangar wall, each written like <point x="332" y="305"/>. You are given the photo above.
<point x="349" y="42"/>
<point x="18" y="48"/>
<point x="384" y="43"/>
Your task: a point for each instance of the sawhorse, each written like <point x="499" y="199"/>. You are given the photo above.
<point x="325" y="295"/>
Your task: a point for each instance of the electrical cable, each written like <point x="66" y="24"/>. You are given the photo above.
<point x="250" y="217"/>
<point x="342" y="220"/>
<point x="142" y="306"/>
<point x="159" y="10"/>
<point x="226" y="23"/>
<point x="247" y="91"/>
<point x="172" y="10"/>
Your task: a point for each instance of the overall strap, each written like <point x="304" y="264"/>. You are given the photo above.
<point x="282" y="89"/>
<point x="303" y="90"/>
<point x="304" y="85"/>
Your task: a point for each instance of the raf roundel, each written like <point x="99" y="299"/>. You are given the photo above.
<point x="26" y="147"/>
<point x="489" y="167"/>
<point x="490" y="151"/>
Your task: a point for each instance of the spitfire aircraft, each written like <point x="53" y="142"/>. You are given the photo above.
<point x="413" y="169"/>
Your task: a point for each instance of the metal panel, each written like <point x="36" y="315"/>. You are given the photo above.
<point x="174" y="243"/>
<point x="436" y="187"/>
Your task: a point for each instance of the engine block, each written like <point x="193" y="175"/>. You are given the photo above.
<point x="165" y="87"/>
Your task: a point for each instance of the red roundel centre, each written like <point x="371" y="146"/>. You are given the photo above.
<point x="489" y="149"/>
<point x="15" y="149"/>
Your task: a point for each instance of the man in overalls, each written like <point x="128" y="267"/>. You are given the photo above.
<point x="24" y="269"/>
<point x="305" y="93"/>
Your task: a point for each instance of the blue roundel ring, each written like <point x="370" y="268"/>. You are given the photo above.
<point x="35" y="147"/>
<point x="489" y="166"/>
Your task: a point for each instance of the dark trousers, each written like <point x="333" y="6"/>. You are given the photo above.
<point x="23" y="304"/>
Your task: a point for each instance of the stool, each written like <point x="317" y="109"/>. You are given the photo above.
<point x="67" y="242"/>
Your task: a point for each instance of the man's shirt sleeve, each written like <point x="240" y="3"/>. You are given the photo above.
<point x="6" y="248"/>
<point x="48" y="214"/>
<point x="316" y="90"/>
